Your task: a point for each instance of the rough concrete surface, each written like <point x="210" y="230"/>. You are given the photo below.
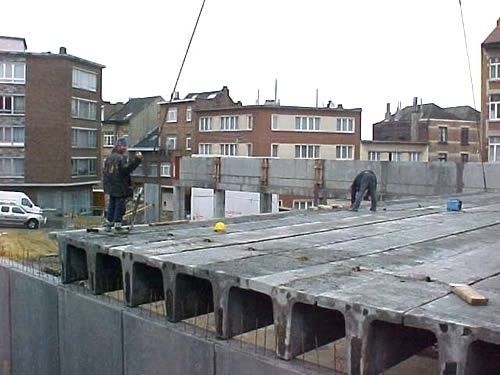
<point x="371" y="278"/>
<point x="35" y="336"/>
<point x="4" y="322"/>
<point x="90" y="335"/>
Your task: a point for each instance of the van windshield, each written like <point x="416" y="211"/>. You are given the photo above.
<point x="26" y="202"/>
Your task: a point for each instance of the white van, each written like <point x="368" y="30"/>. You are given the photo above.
<point x="21" y="199"/>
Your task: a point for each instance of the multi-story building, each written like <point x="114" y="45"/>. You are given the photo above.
<point x="273" y="130"/>
<point x="426" y="132"/>
<point x="132" y="120"/>
<point x="177" y="125"/>
<point x="49" y="125"/>
<point x="490" y="94"/>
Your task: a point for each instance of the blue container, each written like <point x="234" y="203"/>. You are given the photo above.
<point x="454" y="205"/>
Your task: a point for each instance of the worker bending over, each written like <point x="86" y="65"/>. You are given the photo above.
<point x="364" y="185"/>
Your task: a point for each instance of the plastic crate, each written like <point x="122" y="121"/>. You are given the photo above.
<point x="454" y="205"/>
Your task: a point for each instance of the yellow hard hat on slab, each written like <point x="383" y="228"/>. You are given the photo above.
<point x="219" y="227"/>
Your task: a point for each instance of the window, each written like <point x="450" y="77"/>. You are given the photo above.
<point x="495" y="68"/>
<point x="84" y="80"/>
<point x="171" y="142"/>
<point x="11" y="167"/>
<point x="172" y="114"/>
<point x="205" y="124"/>
<point x="83" y="138"/>
<point x="83" y="167"/>
<point x="394" y="156"/>
<point x="443" y="134"/>
<point x="274" y="122"/>
<point x="345" y="125"/>
<point x="274" y="151"/>
<point x="302" y="204"/>
<point x="344" y="152"/>
<point x="205" y="148"/>
<point x="249" y="122"/>
<point x="228" y="149"/>
<point x="465" y="157"/>
<point x="18" y="210"/>
<point x="229" y="123"/>
<point x="14" y="72"/>
<point x="249" y="149"/>
<point x="188" y="143"/>
<point x="495" y="107"/>
<point x="12" y="135"/>
<point x="414" y="156"/>
<point x="109" y="139"/>
<point x="307" y="151"/>
<point x="83" y="109"/>
<point x="5" y="208"/>
<point x="307" y="123"/>
<point x="494" y="149"/>
<point x="165" y="169"/>
<point x="12" y="104"/>
<point x="374" y="155"/>
<point x="464" y="136"/>
<point x="442" y="156"/>
<point x="189" y="114"/>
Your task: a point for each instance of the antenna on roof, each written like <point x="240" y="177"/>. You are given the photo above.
<point x="276" y="90"/>
<point x="258" y="97"/>
<point x="317" y="98"/>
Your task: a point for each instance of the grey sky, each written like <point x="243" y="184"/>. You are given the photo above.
<point x="360" y="53"/>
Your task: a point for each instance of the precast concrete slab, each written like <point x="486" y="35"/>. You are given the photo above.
<point x="5" y="359"/>
<point x="90" y="334"/>
<point x="158" y="347"/>
<point x="34" y="322"/>
<point x="369" y="278"/>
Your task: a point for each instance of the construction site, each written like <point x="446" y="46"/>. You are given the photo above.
<point x="326" y="291"/>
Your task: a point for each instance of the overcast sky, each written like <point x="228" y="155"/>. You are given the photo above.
<point x="360" y="53"/>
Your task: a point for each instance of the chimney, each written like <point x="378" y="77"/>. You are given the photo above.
<point x="414" y="118"/>
<point x="62" y="50"/>
<point x="388" y="112"/>
<point x="340" y="106"/>
<point x="176" y="95"/>
<point x="498" y="22"/>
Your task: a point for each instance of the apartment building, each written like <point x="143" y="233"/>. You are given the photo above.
<point x="490" y="94"/>
<point x="426" y="132"/>
<point x="273" y="130"/>
<point x="49" y="125"/>
<point x="132" y="120"/>
<point x="170" y="139"/>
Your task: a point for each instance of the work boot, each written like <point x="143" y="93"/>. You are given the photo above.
<point x="107" y="225"/>
<point x="118" y="229"/>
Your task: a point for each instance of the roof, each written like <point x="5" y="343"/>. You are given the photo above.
<point x="494" y="37"/>
<point x="206" y="95"/>
<point x="433" y="111"/>
<point x="149" y="142"/>
<point x="277" y="107"/>
<point x="131" y="109"/>
<point x="385" y="142"/>
<point x="10" y="43"/>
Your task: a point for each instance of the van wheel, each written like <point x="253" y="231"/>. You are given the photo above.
<point x="32" y="224"/>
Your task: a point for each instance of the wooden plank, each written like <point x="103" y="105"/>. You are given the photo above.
<point x="469" y="294"/>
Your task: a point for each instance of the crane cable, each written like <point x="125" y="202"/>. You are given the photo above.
<point x="480" y="138"/>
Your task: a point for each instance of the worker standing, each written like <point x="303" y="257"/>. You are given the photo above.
<point x="364" y="185"/>
<point x="117" y="183"/>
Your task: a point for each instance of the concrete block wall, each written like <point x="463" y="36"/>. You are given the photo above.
<point x="63" y="329"/>
<point x="299" y="176"/>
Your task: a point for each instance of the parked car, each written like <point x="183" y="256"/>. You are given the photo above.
<point x="13" y="214"/>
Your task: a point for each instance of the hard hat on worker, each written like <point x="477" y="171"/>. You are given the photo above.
<point x="219" y="227"/>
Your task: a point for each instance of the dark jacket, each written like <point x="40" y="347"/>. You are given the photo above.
<point x="368" y="176"/>
<point x="116" y="174"/>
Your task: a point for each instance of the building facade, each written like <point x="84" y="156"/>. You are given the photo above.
<point x="49" y="126"/>
<point x="490" y="94"/>
<point x="430" y="133"/>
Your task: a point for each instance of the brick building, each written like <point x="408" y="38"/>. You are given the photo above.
<point x="49" y="125"/>
<point x="426" y="132"/>
<point x="490" y="93"/>
<point x="212" y="124"/>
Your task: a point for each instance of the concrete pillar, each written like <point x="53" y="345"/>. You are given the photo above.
<point x="219" y="203"/>
<point x="179" y="198"/>
<point x="452" y="343"/>
<point x="266" y="202"/>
